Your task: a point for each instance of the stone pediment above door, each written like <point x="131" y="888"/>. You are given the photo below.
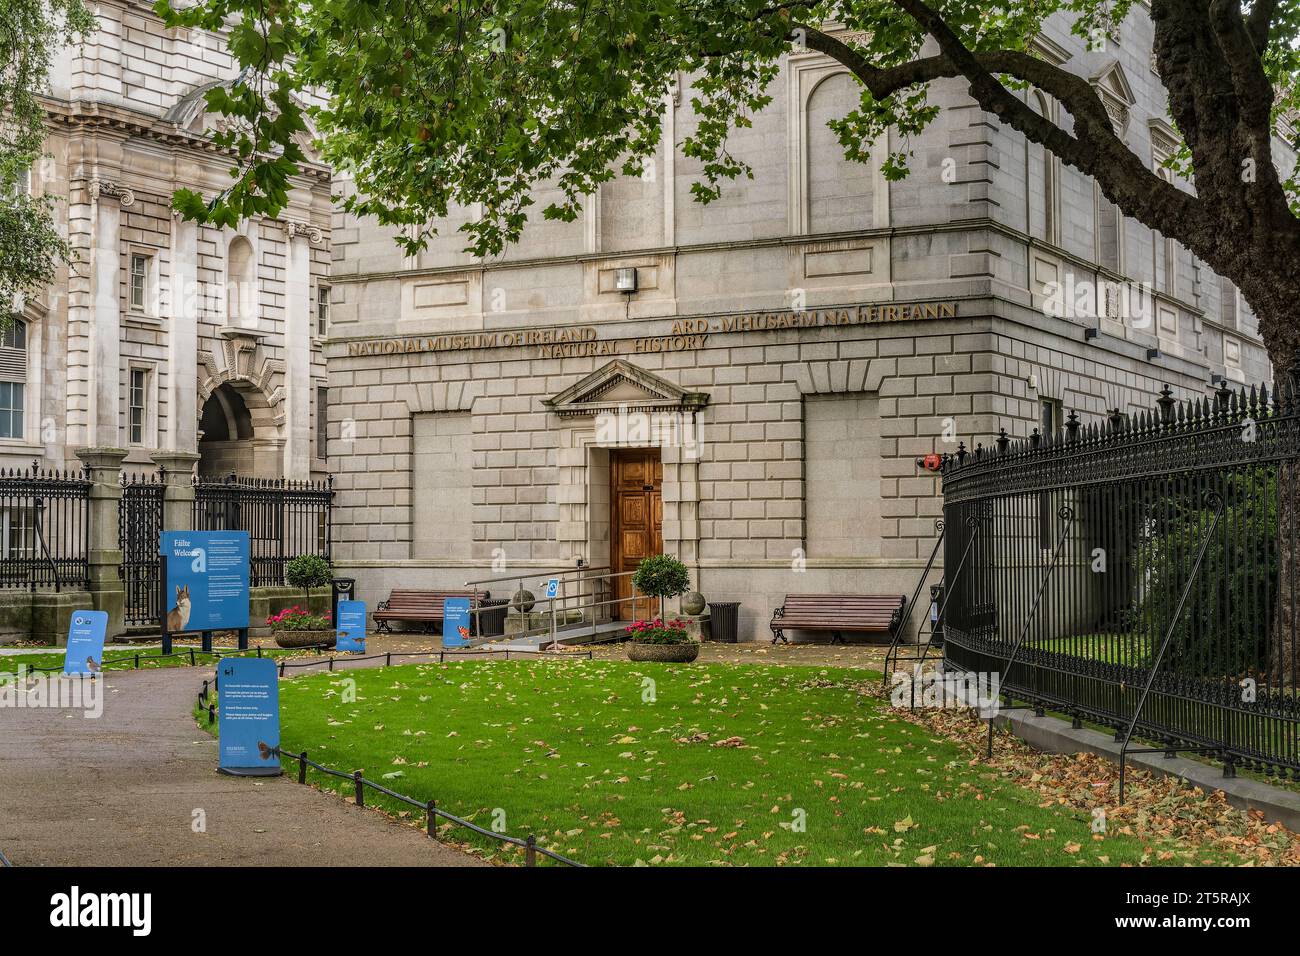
<point x="621" y="385"/>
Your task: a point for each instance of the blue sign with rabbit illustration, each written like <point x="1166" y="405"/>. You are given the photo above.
<point x="206" y="580"/>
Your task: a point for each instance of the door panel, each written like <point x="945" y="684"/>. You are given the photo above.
<point x="636" y="484"/>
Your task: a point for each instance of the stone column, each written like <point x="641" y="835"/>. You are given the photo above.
<point x="297" y="353"/>
<point x="182" y="340"/>
<point x="178" y="489"/>
<point x="104" y="556"/>
<point x="106" y="321"/>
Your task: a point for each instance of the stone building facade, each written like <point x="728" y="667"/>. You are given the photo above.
<point x="757" y="403"/>
<point x="165" y="336"/>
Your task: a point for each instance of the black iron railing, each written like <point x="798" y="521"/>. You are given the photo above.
<point x="284" y="519"/>
<point x="139" y="522"/>
<point x="44" y="531"/>
<point x="1141" y="573"/>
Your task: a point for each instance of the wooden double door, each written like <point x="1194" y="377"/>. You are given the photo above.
<point x="636" y="477"/>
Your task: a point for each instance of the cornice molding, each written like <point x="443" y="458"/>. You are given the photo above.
<point x="104" y="117"/>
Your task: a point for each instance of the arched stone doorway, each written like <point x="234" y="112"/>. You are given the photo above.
<point x="237" y="434"/>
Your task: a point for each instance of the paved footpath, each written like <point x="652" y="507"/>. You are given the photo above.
<point x="121" y="791"/>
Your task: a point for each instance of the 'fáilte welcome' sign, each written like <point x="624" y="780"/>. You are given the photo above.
<point x="206" y="580"/>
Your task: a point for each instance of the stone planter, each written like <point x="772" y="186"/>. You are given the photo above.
<point x="304" y="638"/>
<point x="663" y="653"/>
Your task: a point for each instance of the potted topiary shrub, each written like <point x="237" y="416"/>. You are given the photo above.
<point x="662" y="576"/>
<point x="296" y="627"/>
<point x="660" y="640"/>
<point x="308" y="571"/>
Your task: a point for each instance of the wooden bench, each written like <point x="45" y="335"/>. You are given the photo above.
<point x="839" y="614"/>
<point x="421" y="607"/>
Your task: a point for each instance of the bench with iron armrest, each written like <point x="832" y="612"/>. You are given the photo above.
<point x="839" y="614"/>
<point x="420" y="607"/>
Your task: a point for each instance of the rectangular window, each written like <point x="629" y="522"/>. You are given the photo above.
<point x="1049" y="416"/>
<point x="322" y="420"/>
<point x="139" y="281"/>
<point x="322" y="310"/>
<point x="11" y="409"/>
<point x="138" y="405"/>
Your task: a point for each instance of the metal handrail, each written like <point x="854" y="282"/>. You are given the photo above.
<point x="906" y="619"/>
<point x="38" y="526"/>
<point x="972" y="522"/>
<point x="566" y="601"/>
<point x="530" y="572"/>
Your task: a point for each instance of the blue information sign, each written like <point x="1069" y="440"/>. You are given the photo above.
<point x="85" y="651"/>
<point x="351" y="626"/>
<point x="455" y="622"/>
<point x="207" y="580"/>
<point x="553" y="588"/>
<point x="248" y="722"/>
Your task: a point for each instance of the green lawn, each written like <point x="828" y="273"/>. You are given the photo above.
<point x="618" y="763"/>
<point x="1130" y="649"/>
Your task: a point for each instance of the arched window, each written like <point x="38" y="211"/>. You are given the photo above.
<point x="241" y="283"/>
<point x="13" y="380"/>
<point x="840" y="192"/>
<point x="1041" y="173"/>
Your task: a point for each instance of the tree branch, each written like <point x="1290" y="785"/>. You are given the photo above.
<point x="1095" y="149"/>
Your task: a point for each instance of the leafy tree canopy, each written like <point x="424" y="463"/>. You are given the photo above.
<point x="431" y="104"/>
<point x="31" y="247"/>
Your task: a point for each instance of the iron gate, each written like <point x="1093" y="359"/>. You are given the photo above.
<point x="139" y="522"/>
<point x="283" y="518"/>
